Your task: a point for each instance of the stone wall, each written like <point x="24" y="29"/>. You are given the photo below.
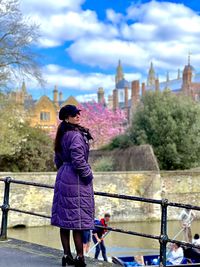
<point x="183" y="187"/>
<point x="129" y="183"/>
<point x="176" y="186"/>
<point x="135" y="158"/>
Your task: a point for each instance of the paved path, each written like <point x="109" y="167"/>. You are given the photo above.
<point x="15" y="253"/>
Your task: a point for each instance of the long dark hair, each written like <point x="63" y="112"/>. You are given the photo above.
<point x="66" y="126"/>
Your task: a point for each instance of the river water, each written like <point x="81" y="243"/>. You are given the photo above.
<point x="117" y="244"/>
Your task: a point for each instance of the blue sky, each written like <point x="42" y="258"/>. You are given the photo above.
<point x="82" y="40"/>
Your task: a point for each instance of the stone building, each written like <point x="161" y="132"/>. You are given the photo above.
<point x="121" y="96"/>
<point x="187" y="83"/>
<point x="42" y="112"/>
<point x="126" y="94"/>
<point x="21" y="96"/>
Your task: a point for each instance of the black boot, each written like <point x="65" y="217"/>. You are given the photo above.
<point x="68" y="261"/>
<point x="80" y="262"/>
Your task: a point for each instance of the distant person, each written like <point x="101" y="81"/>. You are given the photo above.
<point x="97" y="237"/>
<point x="186" y="217"/>
<point x="196" y="240"/>
<point x="73" y="202"/>
<point x="86" y="241"/>
<point x="175" y="255"/>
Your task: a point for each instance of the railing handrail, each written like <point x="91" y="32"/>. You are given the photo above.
<point x="162" y="238"/>
<point x="112" y="195"/>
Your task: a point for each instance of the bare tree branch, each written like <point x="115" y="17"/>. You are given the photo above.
<point x="18" y="35"/>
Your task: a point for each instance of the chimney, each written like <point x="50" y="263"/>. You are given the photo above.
<point x="157" y="85"/>
<point x="110" y="101"/>
<point x="143" y="89"/>
<point x="100" y="94"/>
<point x="135" y="96"/>
<point x="126" y="97"/>
<point x="115" y="99"/>
<point x="60" y="97"/>
<point x="55" y="95"/>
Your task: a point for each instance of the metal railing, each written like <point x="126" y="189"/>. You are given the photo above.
<point x="164" y="203"/>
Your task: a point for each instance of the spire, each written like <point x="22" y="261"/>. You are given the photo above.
<point x="55" y="95"/>
<point x="119" y="73"/>
<point x="60" y="96"/>
<point x="167" y="76"/>
<point x="189" y="57"/>
<point x="55" y="88"/>
<point x="179" y="74"/>
<point x="188" y="73"/>
<point x="24" y="87"/>
<point x="151" y="76"/>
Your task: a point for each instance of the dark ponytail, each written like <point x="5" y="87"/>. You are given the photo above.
<point x="63" y="128"/>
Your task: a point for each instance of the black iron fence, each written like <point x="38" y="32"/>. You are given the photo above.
<point x="164" y="203"/>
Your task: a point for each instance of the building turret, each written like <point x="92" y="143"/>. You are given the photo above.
<point x="157" y="85"/>
<point x="115" y="99"/>
<point x="167" y="77"/>
<point x="151" y="76"/>
<point x="119" y="73"/>
<point x="187" y="77"/>
<point x="23" y="89"/>
<point x="110" y="101"/>
<point x="179" y="74"/>
<point x="135" y="93"/>
<point x="55" y="95"/>
<point x="126" y="97"/>
<point x="100" y="94"/>
<point x="60" y="97"/>
<point x="143" y="89"/>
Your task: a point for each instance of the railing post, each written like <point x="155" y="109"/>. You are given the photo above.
<point x="5" y="209"/>
<point x="163" y="233"/>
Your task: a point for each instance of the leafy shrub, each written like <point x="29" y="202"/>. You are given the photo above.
<point x="171" y="124"/>
<point x="103" y="164"/>
<point x="34" y="154"/>
<point x="120" y="141"/>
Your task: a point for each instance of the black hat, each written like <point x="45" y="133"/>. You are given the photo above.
<point x="68" y="110"/>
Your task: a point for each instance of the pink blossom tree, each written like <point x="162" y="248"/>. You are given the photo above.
<point x="104" y="123"/>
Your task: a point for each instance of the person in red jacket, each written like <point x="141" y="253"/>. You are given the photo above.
<point x="97" y="237"/>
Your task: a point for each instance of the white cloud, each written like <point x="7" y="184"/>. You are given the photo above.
<point x="113" y="16"/>
<point x="155" y="11"/>
<point x="73" y="79"/>
<point x="45" y="7"/>
<point x="160" y="31"/>
<point x="59" y="28"/>
<point x="132" y="76"/>
<point x="62" y="21"/>
<point x="85" y="86"/>
<point x="87" y="98"/>
<point x="105" y="53"/>
<point x="163" y="21"/>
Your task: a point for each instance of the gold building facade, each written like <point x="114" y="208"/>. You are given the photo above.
<point x="42" y="113"/>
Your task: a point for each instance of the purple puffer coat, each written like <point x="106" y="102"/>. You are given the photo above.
<point x="73" y="202"/>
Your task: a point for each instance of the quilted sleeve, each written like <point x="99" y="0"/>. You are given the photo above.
<point x="78" y="157"/>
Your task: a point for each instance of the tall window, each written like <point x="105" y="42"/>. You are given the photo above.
<point x="45" y="116"/>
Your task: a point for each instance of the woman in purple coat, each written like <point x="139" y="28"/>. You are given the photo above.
<point x="73" y="202"/>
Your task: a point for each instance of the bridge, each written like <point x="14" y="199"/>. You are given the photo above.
<point x="16" y="253"/>
<point x="19" y="253"/>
